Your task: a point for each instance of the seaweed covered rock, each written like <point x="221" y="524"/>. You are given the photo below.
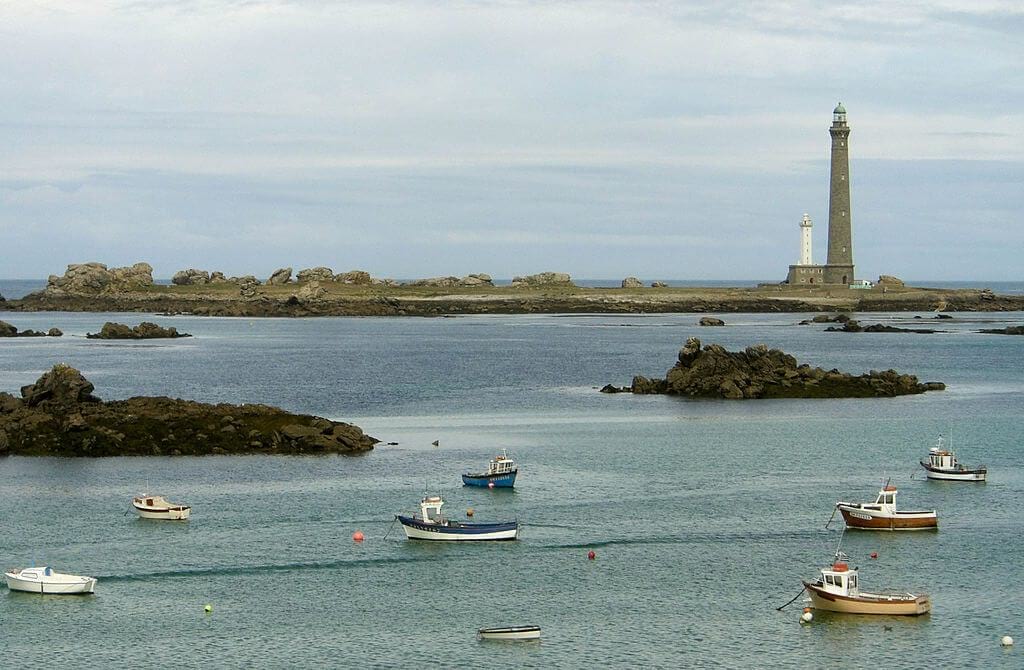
<point x="760" y="372"/>
<point x="59" y="416"/>
<point x="146" y="330"/>
<point x="8" y="330"/>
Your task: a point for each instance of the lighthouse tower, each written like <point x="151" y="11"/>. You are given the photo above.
<point x="805" y="240"/>
<point x="839" y="263"/>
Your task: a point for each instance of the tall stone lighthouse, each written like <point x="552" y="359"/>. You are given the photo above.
<point x="839" y="262"/>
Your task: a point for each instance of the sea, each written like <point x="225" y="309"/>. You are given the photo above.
<point x="703" y="515"/>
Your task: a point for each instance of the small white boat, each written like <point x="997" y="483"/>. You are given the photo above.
<point x="45" y="580"/>
<point x="942" y="464"/>
<point x="883" y="515"/>
<point x="510" y="633"/>
<point x="158" y="507"/>
<point x="430" y="524"/>
<point x="837" y="590"/>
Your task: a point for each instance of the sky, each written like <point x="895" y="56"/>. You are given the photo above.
<point x="663" y="140"/>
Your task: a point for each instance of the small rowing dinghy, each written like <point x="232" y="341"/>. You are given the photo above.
<point x="510" y="633"/>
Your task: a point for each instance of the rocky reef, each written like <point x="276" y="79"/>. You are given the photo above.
<point x="853" y="326"/>
<point x="1009" y="330"/>
<point x="94" y="278"/>
<point x="60" y="416"/>
<point x="7" y="330"/>
<point x="147" y="330"/>
<point x="760" y="372"/>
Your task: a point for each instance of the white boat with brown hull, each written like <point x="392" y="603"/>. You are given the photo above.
<point x="883" y="515"/>
<point x="47" y="581"/>
<point x="838" y="590"/>
<point x="158" y="507"/>
<point x="942" y="464"/>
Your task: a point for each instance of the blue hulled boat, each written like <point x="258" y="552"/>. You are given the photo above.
<point x="501" y="473"/>
<point x="430" y="524"/>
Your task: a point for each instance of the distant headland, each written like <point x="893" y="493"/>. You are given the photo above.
<point x="319" y="291"/>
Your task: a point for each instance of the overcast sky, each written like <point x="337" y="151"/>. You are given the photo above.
<point x="665" y="140"/>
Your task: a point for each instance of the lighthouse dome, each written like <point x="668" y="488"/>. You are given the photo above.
<point x="839" y="109"/>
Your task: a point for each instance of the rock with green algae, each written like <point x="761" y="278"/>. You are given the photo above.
<point x="60" y="416"/>
<point x="760" y="372"/>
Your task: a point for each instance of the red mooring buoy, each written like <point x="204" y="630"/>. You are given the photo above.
<point x="358" y="536"/>
<point x="874" y="554"/>
<point x="591" y="555"/>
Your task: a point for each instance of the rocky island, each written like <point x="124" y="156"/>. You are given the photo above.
<point x="8" y="330"/>
<point x="59" y="416"/>
<point x="146" y="330"/>
<point x="760" y="372"/>
<point x="319" y="291"/>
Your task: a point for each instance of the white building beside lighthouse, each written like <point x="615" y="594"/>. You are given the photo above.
<point x="805" y="240"/>
<point x="806" y="272"/>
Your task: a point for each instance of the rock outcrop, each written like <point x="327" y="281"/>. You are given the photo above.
<point x="60" y="416"/>
<point x="144" y="331"/>
<point x="448" y="282"/>
<point x="279" y="276"/>
<point x="8" y="330"/>
<point x="357" y="277"/>
<point x="95" y="278"/>
<point x="632" y="282"/>
<point x="311" y="292"/>
<point x="658" y="284"/>
<point x="543" y="279"/>
<point x="710" y="321"/>
<point x="889" y="281"/>
<point x="319" y="273"/>
<point x="760" y="372"/>
<point x="191" y="277"/>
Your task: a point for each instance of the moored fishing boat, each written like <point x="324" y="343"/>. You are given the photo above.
<point x="431" y="524"/>
<point x="942" y="464"/>
<point x="45" y="580"/>
<point x="837" y="590"/>
<point x="158" y="507"/>
<point x="883" y="515"/>
<point x="501" y="473"/>
<point x="510" y="633"/>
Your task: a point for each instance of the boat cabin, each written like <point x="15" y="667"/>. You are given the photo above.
<point x="430" y="509"/>
<point x="501" y="465"/>
<point x="839" y="579"/>
<point x="942" y="459"/>
<point x="886" y="500"/>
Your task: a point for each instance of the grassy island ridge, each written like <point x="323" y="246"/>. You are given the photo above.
<point x="93" y="288"/>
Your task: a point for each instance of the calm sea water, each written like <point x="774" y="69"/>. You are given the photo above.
<point x="704" y="515"/>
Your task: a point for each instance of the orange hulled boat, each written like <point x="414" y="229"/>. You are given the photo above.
<point x="883" y="515"/>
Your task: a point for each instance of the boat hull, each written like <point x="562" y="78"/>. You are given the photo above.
<point x="170" y="514"/>
<point x="896" y="605"/>
<point x="506" y="480"/>
<point x="85" y="586"/>
<point x="977" y="475"/>
<point x="869" y="519"/>
<point x="458" y="532"/>
<point x="510" y="633"/>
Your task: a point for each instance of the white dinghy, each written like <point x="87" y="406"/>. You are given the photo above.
<point x="510" y="633"/>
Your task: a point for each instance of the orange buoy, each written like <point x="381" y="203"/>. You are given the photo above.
<point x="874" y="554"/>
<point x="358" y="536"/>
<point x="469" y="512"/>
<point x="806" y="610"/>
<point x="591" y="555"/>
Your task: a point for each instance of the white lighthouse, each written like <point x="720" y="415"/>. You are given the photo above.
<point x="805" y="241"/>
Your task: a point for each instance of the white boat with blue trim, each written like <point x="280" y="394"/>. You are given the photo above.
<point x="47" y="581"/>
<point x="431" y="524"/>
